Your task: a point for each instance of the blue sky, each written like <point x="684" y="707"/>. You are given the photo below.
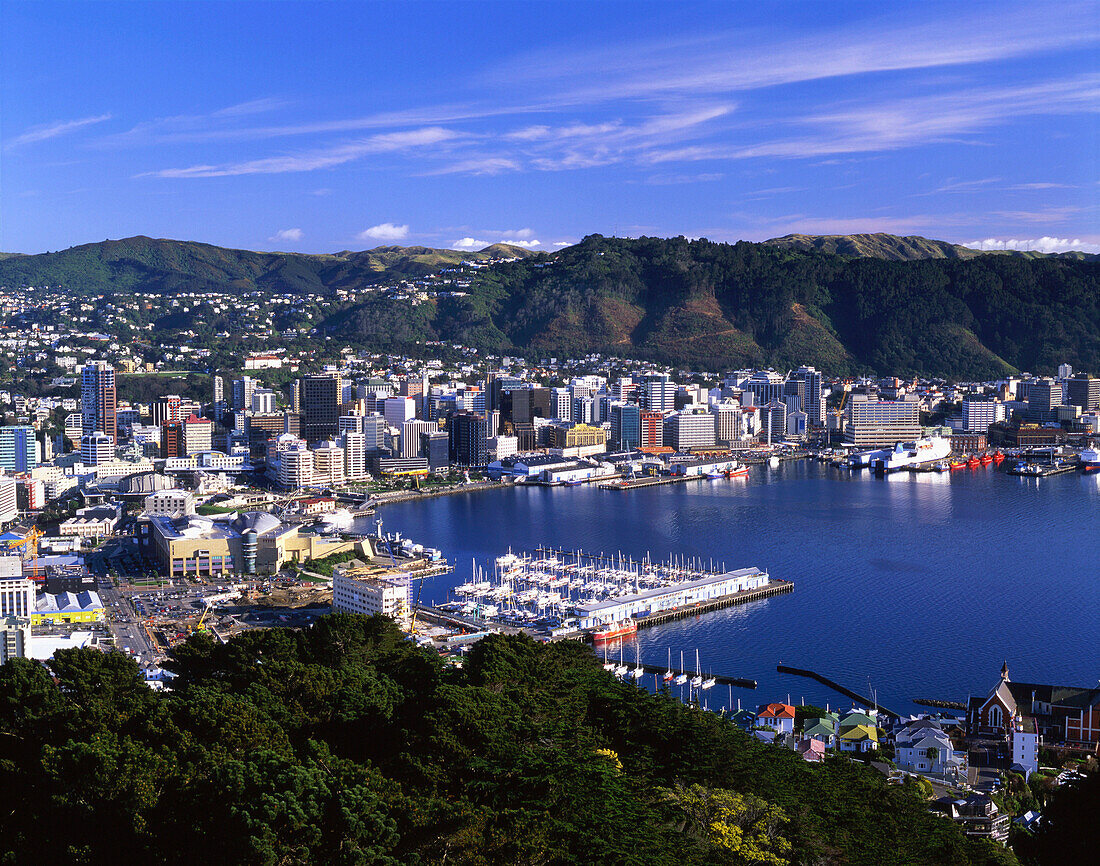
<point x="316" y="127"/>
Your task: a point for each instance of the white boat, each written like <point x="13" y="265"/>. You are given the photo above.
<point x="930" y="449"/>
<point x="681" y="677"/>
<point x="697" y="680"/>
<point x="773" y="462"/>
<point x="668" y="673"/>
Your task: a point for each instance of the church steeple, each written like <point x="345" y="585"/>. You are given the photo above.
<point x="1004" y="671"/>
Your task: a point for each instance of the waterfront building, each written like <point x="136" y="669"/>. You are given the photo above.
<point x="98" y="400"/>
<point x="708" y="588"/>
<point x="435" y="448"/>
<point x="652" y="430"/>
<point x="469" y="434"/>
<point x="875" y="423"/>
<point x="686" y="430"/>
<point x="19" y="449"/>
<point x="979" y="411"/>
<point x="626" y="426"/>
<point x="389" y="595"/>
<point x="1083" y="390"/>
<point x="254" y="542"/>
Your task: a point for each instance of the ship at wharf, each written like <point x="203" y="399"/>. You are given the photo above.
<point x="577" y="594"/>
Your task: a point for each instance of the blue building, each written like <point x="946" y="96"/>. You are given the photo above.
<point x="626" y="426"/>
<point x="18" y="449"/>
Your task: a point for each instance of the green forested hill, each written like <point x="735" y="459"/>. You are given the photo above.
<point x="714" y="306"/>
<point x="346" y="744"/>
<point x="156" y="265"/>
<point x="695" y="304"/>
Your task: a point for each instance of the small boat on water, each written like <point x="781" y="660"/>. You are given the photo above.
<point x="973" y="463"/>
<point x="941" y="466"/>
<point x="998" y="457"/>
<point x="986" y="459"/>
<point x="681" y="677"/>
<point x="737" y="470"/>
<point x="625" y="628"/>
<point x="773" y="462"/>
<point x="957" y="464"/>
<point x="697" y="680"/>
<point x="668" y="673"/>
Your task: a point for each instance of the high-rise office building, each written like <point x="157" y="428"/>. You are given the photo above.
<point x="436" y="447"/>
<point x="626" y="426"/>
<point x="96" y="449"/>
<point x="659" y="394"/>
<point x="812" y="403"/>
<point x="99" y="400"/>
<point x="18" y="448"/>
<point x="242" y="392"/>
<point x="1083" y="390"/>
<point x="469" y="434"/>
<point x="319" y="397"/>
<point x="652" y="430"/>
<point x="1044" y="395"/>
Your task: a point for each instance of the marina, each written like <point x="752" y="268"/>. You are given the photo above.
<point x="607" y="596"/>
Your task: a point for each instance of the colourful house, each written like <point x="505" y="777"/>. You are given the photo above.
<point x="812" y="751"/>
<point x="778" y="717"/>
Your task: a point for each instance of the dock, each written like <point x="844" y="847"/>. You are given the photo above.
<point x="719" y="679"/>
<point x="774" y="587"/>
<point x="634" y="483"/>
<point x="837" y="687"/>
<point x="1044" y="471"/>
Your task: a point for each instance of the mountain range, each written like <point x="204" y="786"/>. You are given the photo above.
<point x="846" y="304"/>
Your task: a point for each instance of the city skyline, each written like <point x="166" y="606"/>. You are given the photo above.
<point x="322" y="127"/>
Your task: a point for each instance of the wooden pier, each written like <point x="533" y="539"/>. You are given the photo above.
<point x="719" y="679"/>
<point x="634" y="483"/>
<point x="774" y="587"/>
<point x="837" y="687"/>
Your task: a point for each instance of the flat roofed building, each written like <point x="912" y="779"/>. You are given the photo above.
<point x="389" y="595"/>
<point x="881" y="423"/>
<point x="678" y="595"/>
<point x="15" y="637"/>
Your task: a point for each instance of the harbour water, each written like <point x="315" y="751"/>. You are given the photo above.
<point x="914" y="586"/>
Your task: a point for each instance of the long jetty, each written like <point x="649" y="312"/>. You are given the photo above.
<point x="774" y="587"/>
<point x="837" y="687"/>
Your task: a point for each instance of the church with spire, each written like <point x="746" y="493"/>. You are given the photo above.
<point x="1028" y="715"/>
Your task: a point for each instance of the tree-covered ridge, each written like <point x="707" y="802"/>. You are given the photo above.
<point x="347" y="744"/>
<point x="159" y="265"/>
<point x="714" y="306"/>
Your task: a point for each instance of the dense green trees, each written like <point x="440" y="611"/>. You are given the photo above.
<point x="346" y="743"/>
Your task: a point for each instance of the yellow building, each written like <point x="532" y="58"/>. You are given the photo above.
<point x="255" y="542"/>
<point x="66" y="607"/>
<point x="577" y="436"/>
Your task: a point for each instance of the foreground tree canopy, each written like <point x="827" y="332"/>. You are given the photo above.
<point x="347" y="744"/>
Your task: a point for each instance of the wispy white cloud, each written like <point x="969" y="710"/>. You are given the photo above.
<point x="384" y="232"/>
<point x="53" y="130"/>
<point x="293" y="235"/>
<point x="676" y="179"/>
<point x="517" y="234"/>
<point x="315" y="159"/>
<point x="528" y="244"/>
<point x="1042" y="245"/>
<point x="1042" y="185"/>
<point x="731" y="61"/>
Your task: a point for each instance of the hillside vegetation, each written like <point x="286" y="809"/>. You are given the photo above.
<point x="154" y="265"/>
<point x="867" y="303"/>
<point x="715" y="306"/>
<point x="346" y="744"/>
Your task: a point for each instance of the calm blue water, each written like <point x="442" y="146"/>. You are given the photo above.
<point x="920" y="585"/>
